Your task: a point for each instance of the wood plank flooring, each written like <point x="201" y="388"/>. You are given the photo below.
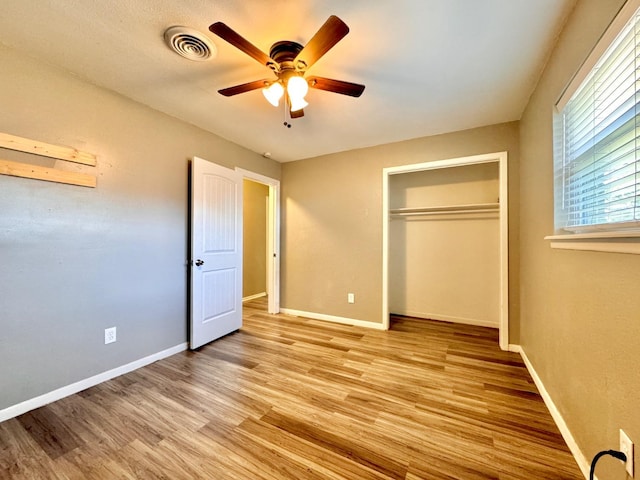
<point x="292" y="398"/>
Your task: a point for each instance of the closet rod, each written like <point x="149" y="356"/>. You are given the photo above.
<point x="427" y="214"/>
<point x="447" y="209"/>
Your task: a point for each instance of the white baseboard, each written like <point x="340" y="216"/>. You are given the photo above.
<point x="332" y="318"/>
<point x="253" y="297"/>
<point x="581" y="460"/>
<point x="445" y="318"/>
<point x="42" y="400"/>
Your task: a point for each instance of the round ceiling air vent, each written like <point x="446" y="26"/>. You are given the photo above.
<point x="190" y="43"/>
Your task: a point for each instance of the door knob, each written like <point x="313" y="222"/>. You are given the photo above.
<point x="199" y="263"/>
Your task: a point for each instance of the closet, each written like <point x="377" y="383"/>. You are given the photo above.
<point x="446" y="241"/>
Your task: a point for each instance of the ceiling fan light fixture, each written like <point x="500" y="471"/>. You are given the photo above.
<point x="297" y="88"/>
<point x="273" y="93"/>
<point x="298" y="104"/>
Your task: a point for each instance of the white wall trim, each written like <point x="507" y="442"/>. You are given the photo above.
<point x="332" y="318"/>
<point x="581" y="460"/>
<point x="610" y="244"/>
<point x="446" y="318"/>
<point x="253" y="297"/>
<point x="45" y="399"/>
<point x="451" y="162"/>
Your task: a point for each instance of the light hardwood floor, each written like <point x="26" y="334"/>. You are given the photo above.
<point x="291" y="398"/>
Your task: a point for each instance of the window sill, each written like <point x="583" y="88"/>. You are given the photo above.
<point x="615" y="242"/>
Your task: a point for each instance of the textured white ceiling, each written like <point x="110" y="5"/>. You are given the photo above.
<point x="429" y="66"/>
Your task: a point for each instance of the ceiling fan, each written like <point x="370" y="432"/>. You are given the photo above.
<point x="289" y="61"/>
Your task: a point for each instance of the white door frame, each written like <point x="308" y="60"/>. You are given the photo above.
<point x="273" y="236"/>
<point x="501" y="158"/>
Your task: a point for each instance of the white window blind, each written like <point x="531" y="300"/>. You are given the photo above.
<point x="597" y="142"/>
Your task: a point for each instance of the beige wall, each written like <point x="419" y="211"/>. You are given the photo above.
<point x="332" y="220"/>
<point x="73" y="260"/>
<point x="446" y="267"/>
<point x="580" y="311"/>
<point x="254" y="269"/>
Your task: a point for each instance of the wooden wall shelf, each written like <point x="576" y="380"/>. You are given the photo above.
<point x="26" y="170"/>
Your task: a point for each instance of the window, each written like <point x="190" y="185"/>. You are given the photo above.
<point x="597" y="136"/>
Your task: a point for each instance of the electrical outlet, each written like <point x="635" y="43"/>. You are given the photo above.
<point x="109" y="335"/>
<point x="626" y="447"/>
<point x="351" y="298"/>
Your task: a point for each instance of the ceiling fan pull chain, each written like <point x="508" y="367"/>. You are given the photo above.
<point x="286" y="109"/>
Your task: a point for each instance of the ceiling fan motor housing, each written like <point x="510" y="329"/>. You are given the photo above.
<point x="285" y="51"/>
<point x="283" y="54"/>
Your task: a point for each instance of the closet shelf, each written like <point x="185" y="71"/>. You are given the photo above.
<point x="446" y="209"/>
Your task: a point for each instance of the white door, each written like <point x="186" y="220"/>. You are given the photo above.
<point x="216" y="252"/>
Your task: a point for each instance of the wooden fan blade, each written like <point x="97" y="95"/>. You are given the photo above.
<point x="297" y="113"/>
<point x="329" y="34"/>
<point x="245" y="87"/>
<point x="336" y="86"/>
<point x="235" y="39"/>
